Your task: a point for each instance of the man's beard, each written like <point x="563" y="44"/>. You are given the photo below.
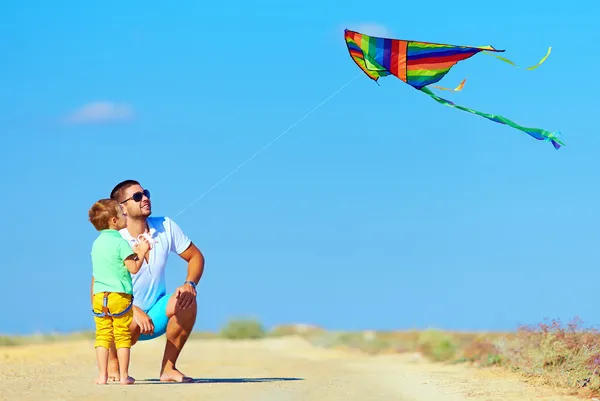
<point x="140" y="214"/>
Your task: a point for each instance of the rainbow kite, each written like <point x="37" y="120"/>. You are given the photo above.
<point x="420" y="64"/>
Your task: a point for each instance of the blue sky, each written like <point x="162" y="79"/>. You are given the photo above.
<point x="382" y="209"/>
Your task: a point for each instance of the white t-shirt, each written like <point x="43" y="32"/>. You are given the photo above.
<point x="149" y="282"/>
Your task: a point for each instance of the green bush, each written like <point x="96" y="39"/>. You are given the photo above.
<point x="437" y="345"/>
<point x="243" y="329"/>
<point x="6" y="341"/>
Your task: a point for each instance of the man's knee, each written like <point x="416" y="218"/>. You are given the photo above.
<point x="187" y="313"/>
<point x="185" y="319"/>
<point x="193" y="307"/>
<point x="173" y="309"/>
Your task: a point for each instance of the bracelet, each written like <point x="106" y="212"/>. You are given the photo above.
<point x="191" y="283"/>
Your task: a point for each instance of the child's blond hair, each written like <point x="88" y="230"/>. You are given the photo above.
<point x="102" y="211"/>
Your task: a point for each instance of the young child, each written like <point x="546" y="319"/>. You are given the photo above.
<point x="112" y="293"/>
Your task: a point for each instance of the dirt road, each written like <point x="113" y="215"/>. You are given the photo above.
<point x="286" y="369"/>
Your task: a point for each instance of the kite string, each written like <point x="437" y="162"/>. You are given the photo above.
<point x="268" y="144"/>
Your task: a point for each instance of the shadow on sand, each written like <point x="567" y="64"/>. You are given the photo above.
<point x="223" y="380"/>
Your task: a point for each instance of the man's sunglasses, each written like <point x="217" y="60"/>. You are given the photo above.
<point x="138" y="196"/>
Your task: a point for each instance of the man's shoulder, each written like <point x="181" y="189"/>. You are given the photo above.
<point x="158" y="219"/>
<point x="158" y="222"/>
<point x="166" y="227"/>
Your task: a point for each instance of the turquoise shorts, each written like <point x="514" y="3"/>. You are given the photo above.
<point x="158" y="314"/>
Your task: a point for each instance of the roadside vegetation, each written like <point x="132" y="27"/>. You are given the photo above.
<point x="564" y="356"/>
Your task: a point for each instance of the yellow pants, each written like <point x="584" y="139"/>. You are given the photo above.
<point x="109" y="328"/>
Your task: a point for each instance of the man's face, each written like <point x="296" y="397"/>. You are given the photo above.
<point x="136" y="202"/>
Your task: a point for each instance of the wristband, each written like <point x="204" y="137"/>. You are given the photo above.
<point x="191" y="283"/>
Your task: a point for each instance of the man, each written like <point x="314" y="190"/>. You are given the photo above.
<point x="155" y="312"/>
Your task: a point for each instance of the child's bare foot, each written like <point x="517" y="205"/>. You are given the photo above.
<point x="127" y="380"/>
<point x="102" y="379"/>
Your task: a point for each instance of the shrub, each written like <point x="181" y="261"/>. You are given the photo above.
<point x="564" y="356"/>
<point x="6" y="341"/>
<point x="295" y="330"/>
<point x="243" y="329"/>
<point x="437" y="345"/>
<point x="482" y="352"/>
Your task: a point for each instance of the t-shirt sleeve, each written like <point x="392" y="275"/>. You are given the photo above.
<point x="125" y="249"/>
<point x="179" y="241"/>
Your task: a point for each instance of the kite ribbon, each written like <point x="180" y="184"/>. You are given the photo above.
<point x="462" y="84"/>
<point x="457" y="89"/>
<point x="536" y="133"/>
<point x="533" y="67"/>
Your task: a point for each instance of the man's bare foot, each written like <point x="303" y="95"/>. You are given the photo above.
<point x="102" y="379"/>
<point x="174" y="375"/>
<point x="127" y="380"/>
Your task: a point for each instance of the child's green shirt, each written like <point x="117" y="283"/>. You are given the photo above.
<point x="109" y="251"/>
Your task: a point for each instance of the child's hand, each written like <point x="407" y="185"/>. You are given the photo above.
<point x="143" y="246"/>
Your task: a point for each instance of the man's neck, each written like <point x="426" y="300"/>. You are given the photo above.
<point x="136" y="226"/>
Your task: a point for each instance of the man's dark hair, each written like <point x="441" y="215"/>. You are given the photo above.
<point x="117" y="192"/>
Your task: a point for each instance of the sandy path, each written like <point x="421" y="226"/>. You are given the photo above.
<point x="286" y="369"/>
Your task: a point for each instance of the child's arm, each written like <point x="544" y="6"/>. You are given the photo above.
<point x="134" y="262"/>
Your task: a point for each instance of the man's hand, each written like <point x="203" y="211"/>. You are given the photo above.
<point x="186" y="294"/>
<point x="143" y="321"/>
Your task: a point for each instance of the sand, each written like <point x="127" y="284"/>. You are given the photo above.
<point x="280" y="369"/>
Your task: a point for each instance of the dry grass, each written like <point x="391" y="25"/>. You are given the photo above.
<point x="563" y="356"/>
<point x="548" y="353"/>
<point x="555" y="354"/>
<point x="42" y="338"/>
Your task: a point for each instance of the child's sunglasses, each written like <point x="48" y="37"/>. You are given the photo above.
<point x="138" y="196"/>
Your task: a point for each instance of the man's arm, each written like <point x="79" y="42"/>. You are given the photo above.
<point x="186" y="294"/>
<point x="185" y="248"/>
<point x="195" y="261"/>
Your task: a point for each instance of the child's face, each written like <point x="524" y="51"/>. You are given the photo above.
<point x="119" y="222"/>
<point x="122" y="220"/>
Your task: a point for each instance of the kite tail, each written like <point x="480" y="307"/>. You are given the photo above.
<point x="533" y="67"/>
<point x="536" y="133"/>
<point x="462" y="84"/>
<point x="457" y="89"/>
